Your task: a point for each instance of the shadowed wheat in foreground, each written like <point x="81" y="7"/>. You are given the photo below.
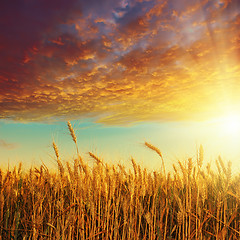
<point x="112" y="202"/>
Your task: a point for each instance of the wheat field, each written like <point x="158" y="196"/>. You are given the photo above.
<point x="114" y="202"/>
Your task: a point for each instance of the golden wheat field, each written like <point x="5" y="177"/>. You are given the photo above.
<point x="113" y="202"/>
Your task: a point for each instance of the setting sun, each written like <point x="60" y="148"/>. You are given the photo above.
<point x="229" y="124"/>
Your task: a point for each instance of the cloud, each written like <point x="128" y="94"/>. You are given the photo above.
<point x="118" y="62"/>
<point x="7" y="145"/>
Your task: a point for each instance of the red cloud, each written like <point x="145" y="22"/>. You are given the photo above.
<point x="122" y="62"/>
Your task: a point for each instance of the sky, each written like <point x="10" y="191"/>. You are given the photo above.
<point x="123" y="72"/>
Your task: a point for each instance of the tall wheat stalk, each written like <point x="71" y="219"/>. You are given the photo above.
<point x="159" y="153"/>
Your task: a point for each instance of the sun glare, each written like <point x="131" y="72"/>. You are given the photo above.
<point x="230" y="124"/>
<point x="223" y="134"/>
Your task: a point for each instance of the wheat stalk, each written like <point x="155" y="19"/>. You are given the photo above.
<point x="98" y="160"/>
<point x="55" y="150"/>
<point x="152" y="147"/>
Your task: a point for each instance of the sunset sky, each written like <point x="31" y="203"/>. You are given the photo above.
<point x="124" y="72"/>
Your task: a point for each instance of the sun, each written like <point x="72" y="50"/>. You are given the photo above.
<point x="230" y="124"/>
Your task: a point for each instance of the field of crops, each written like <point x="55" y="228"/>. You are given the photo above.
<point x="113" y="202"/>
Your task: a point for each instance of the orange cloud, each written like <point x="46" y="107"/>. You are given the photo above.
<point x="134" y="61"/>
